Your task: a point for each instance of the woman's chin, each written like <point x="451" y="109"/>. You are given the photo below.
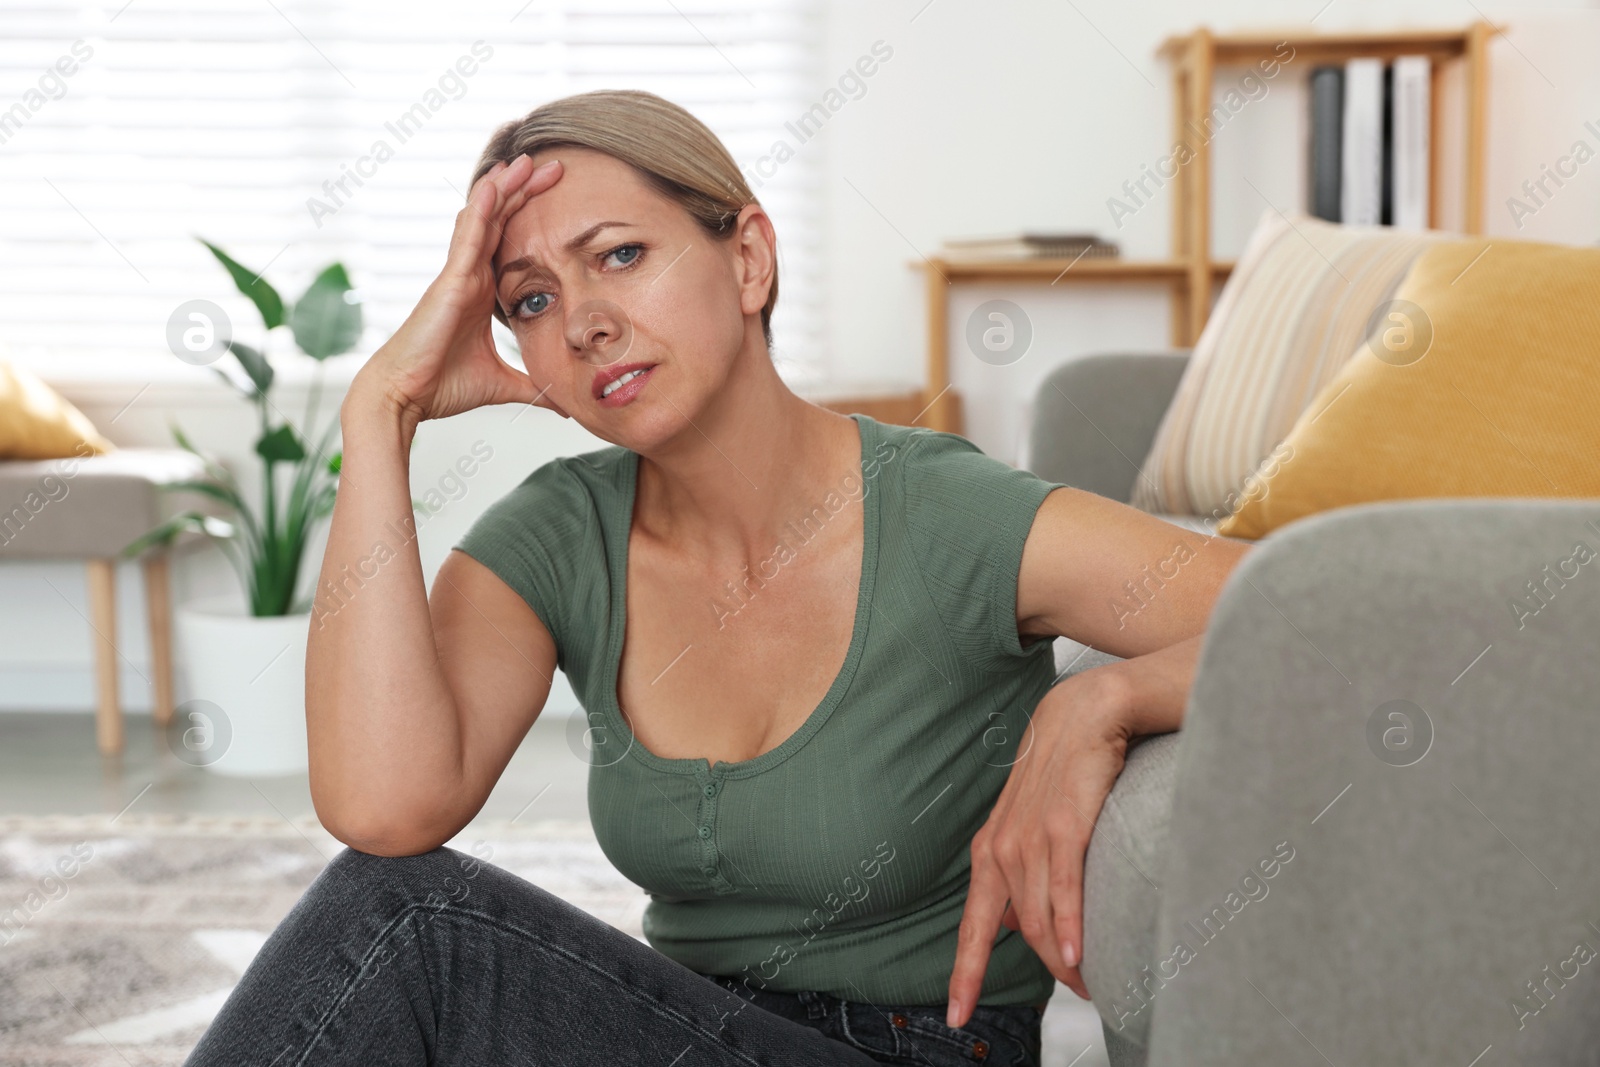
<point x="645" y="426"/>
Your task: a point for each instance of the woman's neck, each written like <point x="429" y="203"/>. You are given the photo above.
<point x="744" y="466"/>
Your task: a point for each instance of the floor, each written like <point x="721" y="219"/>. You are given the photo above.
<point x="49" y="766"/>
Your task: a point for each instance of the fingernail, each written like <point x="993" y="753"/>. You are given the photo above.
<point x="953" y="1014"/>
<point x="1069" y="953"/>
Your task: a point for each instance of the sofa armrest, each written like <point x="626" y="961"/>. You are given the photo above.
<point x="1388" y="719"/>
<point x="1093" y="419"/>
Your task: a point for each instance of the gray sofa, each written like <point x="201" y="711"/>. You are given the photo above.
<point x="1375" y="839"/>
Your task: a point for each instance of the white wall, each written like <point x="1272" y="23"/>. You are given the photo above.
<point x="986" y="119"/>
<point x="1002" y="116"/>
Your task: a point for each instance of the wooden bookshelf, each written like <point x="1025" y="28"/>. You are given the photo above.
<point x="1066" y="270"/>
<point x="898" y="408"/>
<point x="1191" y="274"/>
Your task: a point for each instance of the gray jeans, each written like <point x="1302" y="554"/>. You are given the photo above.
<point x="444" y="959"/>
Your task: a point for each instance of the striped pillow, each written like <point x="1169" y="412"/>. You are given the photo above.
<point x="1292" y="313"/>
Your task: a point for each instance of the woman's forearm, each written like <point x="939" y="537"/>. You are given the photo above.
<point x="1152" y="690"/>
<point x="382" y="725"/>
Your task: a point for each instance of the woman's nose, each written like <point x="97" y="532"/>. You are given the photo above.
<point x="598" y="332"/>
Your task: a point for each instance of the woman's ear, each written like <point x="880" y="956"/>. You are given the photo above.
<point x="756" y="254"/>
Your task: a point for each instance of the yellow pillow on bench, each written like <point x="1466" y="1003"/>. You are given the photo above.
<point x="36" y="422"/>
<point x="1482" y="379"/>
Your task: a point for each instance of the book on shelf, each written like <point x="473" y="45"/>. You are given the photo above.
<point x="1386" y="171"/>
<point x="1327" y="138"/>
<point x="1361" y="191"/>
<point x="1413" y="106"/>
<point x="1369" y="141"/>
<point x="1032" y="246"/>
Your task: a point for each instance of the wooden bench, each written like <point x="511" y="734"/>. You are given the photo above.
<point x="88" y="509"/>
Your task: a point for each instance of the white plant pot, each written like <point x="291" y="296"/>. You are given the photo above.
<point x="246" y="712"/>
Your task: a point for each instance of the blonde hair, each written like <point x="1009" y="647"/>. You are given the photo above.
<point x="673" y="150"/>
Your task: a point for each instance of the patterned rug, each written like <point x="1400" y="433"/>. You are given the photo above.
<point x="120" y="939"/>
<point x="119" y="943"/>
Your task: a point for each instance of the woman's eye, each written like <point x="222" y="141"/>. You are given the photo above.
<point x="533" y="304"/>
<point x="624" y="256"/>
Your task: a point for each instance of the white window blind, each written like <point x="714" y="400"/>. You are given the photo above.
<point x="225" y="118"/>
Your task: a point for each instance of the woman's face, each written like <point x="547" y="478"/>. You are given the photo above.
<point x="601" y="277"/>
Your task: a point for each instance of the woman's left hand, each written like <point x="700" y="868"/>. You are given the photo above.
<point x="1027" y="859"/>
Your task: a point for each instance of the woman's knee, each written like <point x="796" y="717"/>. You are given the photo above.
<point x="444" y="893"/>
<point x="437" y="878"/>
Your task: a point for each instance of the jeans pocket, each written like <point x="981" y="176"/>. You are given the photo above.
<point x="918" y="1035"/>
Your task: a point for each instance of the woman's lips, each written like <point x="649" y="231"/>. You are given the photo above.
<point x="625" y="392"/>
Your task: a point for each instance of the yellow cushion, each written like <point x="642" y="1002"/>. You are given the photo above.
<point x="1502" y="400"/>
<point x="36" y="422"/>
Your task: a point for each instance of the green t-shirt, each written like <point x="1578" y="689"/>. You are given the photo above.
<point x="838" y="861"/>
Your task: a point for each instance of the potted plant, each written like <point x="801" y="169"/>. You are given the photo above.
<point x="247" y="666"/>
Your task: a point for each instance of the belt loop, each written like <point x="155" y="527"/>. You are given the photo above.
<point x="815" y="1009"/>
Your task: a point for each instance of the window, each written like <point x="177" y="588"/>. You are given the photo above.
<point x="126" y="130"/>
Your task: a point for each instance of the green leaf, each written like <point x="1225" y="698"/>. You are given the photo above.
<point x="255" y="365"/>
<point x="233" y="383"/>
<point x="211" y="489"/>
<point x="183" y="442"/>
<point x="163" y="534"/>
<point x="324" y="324"/>
<point x="264" y="296"/>
<point x="336" y="463"/>
<point x="216" y="470"/>
<point x="229" y="495"/>
<point x="309" y="474"/>
<point x="322" y="507"/>
<point x="281" y="446"/>
<point x="169" y="530"/>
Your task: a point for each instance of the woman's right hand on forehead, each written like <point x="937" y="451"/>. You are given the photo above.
<point x="442" y="360"/>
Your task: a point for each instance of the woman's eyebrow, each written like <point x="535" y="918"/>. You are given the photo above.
<point x="524" y="262"/>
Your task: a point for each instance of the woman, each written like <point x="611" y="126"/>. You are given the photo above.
<point x="814" y="651"/>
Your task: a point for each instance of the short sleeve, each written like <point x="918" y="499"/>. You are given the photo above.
<point x="968" y="517"/>
<point x="522" y="536"/>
